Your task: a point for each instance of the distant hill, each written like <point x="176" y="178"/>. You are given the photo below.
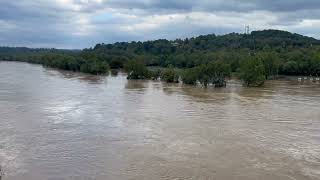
<point x="192" y="51"/>
<point x="257" y="39"/>
<point x="296" y="54"/>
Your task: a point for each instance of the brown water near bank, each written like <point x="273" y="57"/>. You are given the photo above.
<point x="63" y="125"/>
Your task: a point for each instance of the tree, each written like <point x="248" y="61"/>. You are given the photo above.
<point x="136" y="70"/>
<point x="94" y="67"/>
<point x="271" y="64"/>
<point x="219" y="71"/>
<point x="213" y="73"/>
<point x="253" y="72"/>
<point x="190" y="76"/>
<point x="315" y="64"/>
<point x="281" y="53"/>
<point x="170" y="75"/>
<point x="290" y="68"/>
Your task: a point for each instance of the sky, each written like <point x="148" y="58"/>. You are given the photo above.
<point x="75" y="24"/>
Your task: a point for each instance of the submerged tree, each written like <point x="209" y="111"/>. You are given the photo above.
<point x="170" y="75"/>
<point x="218" y="71"/>
<point x="137" y="70"/>
<point x="75" y="63"/>
<point x="213" y="73"/>
<point x="94" y="67"/>
<point x="252" y="72"/>
<point x="190" y="76"/>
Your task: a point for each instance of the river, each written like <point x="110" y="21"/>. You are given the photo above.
<point x="58" y="125"/>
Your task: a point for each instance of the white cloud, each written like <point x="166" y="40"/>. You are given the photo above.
<point x="82" y="23"/>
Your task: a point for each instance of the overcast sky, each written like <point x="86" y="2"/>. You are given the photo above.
<point x="83" y="23"/>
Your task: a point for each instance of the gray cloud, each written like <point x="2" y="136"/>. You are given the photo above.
<point x="217" y="5"/>
<point x="83" y="23"/>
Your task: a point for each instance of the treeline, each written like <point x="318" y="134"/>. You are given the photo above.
<point x="71" y="60"/>
<point x="207" y="59"/>
<point x="29" y="54"/>
<point x="75" y="63"/>
<point x="211" y="74"/>
<point x="291" y="54"/>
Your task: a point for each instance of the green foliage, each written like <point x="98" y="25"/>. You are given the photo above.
<point x="315" y="64"/>
<point x="290" y="67"/>
<point x="75" y="63"/>
<point x="219" y="71"/>
<point x="60" y="61"/>
<point x="271" y="64"/>
<point x="94" y="67"/>
<point x="206" y="74"/>
<point x="156" y="74"/>
<point x="281" y="53"/>
<point x="137" y="70"/>
<point x="190" y="76"/>
<point x="213" y="73"/>
<point x="116" y="64"/>
<point x="170" y="75"/>
<point x="278" y="46"/>
<point x="253" y="72"/>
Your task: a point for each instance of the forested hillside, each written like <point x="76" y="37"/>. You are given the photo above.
<point x="276" y="52"/>
<point x="295" y="54"/>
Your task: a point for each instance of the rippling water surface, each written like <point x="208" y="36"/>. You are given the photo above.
<point x="67" y="126"/>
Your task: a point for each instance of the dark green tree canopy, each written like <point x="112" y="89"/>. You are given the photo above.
<point x="281" y="53"/>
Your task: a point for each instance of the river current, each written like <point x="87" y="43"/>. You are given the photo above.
<point x="58" y="125"/>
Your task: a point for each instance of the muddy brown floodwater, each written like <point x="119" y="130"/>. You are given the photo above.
<point x="68" y="126"/>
